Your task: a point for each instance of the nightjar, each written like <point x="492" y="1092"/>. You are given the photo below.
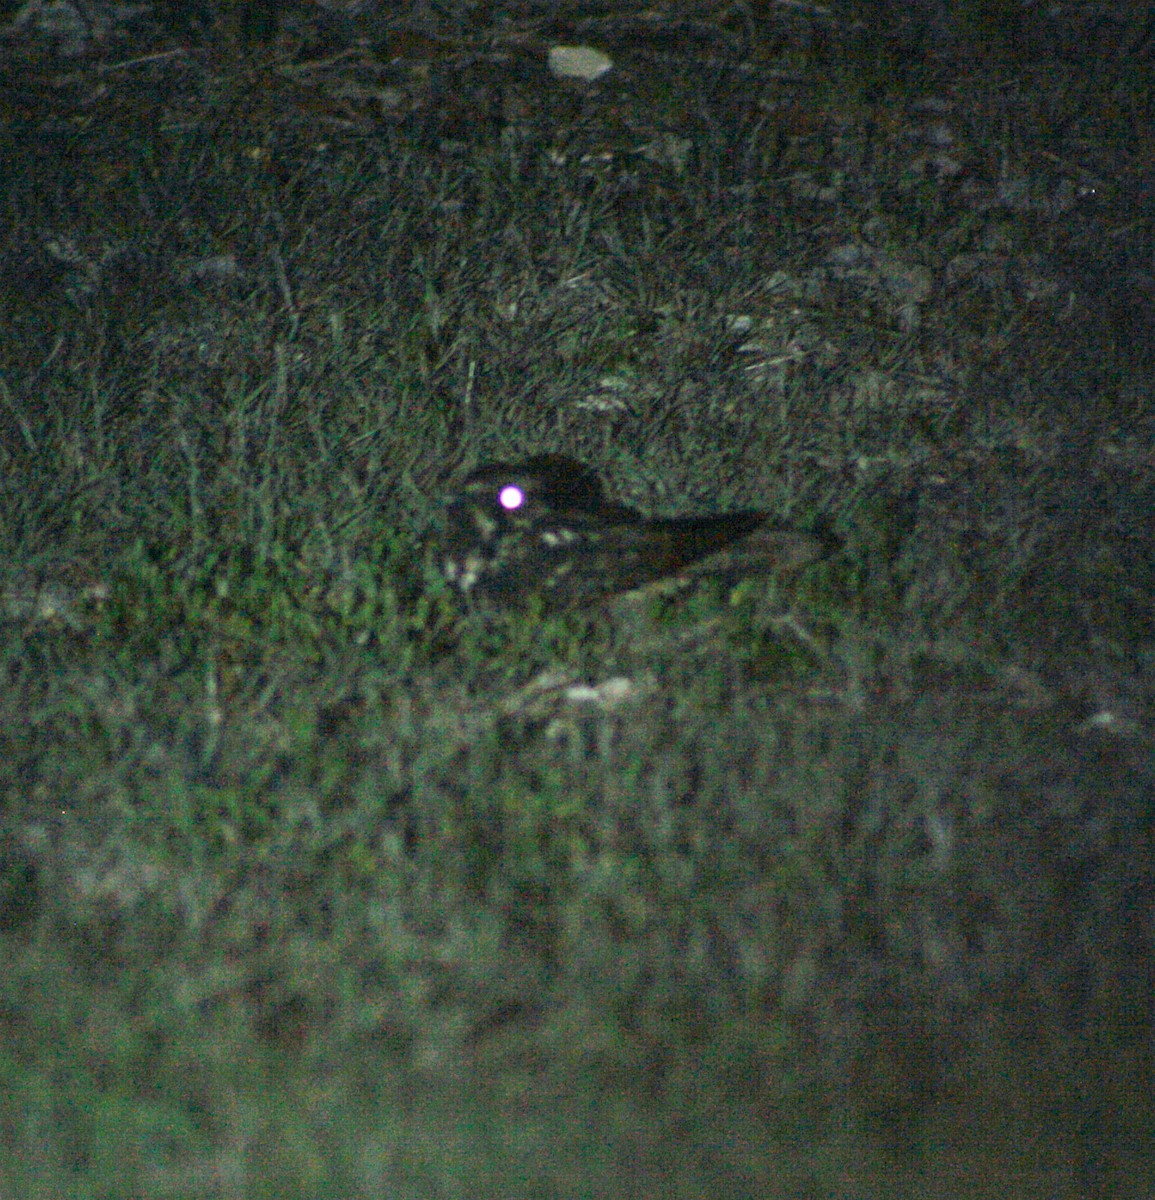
<point x="543" y="529"/>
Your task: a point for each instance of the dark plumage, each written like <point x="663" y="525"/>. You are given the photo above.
<point x="544" y="528"/>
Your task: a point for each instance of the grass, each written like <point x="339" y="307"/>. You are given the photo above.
<point x="821" y="883"/>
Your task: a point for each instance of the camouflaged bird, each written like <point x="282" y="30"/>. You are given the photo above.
<point x="544" y="529"/>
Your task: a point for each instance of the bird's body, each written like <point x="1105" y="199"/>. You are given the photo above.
<point x="543" y="528"/>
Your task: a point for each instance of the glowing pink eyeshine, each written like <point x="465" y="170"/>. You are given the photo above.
<point x="511" y="497"/>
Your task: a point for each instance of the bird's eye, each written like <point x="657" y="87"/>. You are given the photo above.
<point x="511" y="497"/>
